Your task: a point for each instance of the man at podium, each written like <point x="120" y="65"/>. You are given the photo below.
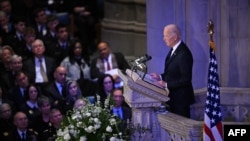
<point x="177" y="75"/>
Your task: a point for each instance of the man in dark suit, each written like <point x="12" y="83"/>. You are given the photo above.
<point x="56" y="89"/>
<point x="177" y="76"/>
<point x="21" y="131"/>
<point x="8" y="77"/>
<point x="123" y="112"/>
<point x="17" y="93"/>
<point x="40" y="68"/>
<point x="6" y="121"/>
<point x="107" y="61"/>
<point x="59" y="48"/>
<point x="16" y="38"/>
<point x="39" y="23"/>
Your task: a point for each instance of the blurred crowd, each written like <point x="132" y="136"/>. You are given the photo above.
<point x="47" y="65"/>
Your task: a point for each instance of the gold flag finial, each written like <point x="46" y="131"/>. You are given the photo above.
<point x="211" y="32"/>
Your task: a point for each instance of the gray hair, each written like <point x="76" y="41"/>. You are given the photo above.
<point x="15" y="57"/>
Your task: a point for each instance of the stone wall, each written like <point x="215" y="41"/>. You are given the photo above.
<point x="124" y="26"/>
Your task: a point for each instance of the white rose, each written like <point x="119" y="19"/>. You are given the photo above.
<point x="88" y="114"/>
<point x="112" y="139"/>
<point x="112" y="121"/>
<point x="79" y="124"/>
<point x="97" y="126"/>
<point x="83" y="138"/>
<point x="89" y="129"/>
<point x="109" y="129"/>
<point x="60" y="132"/>
<point x="96" y="120"/>
<point x="66" y="137"/>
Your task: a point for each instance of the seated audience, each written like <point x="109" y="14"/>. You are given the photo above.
<point x="40" y="68"/>
<point x="6" y="122"/>
<point x="43" y="121"/>
<point x="79" y="104"/>
<point x="56" y="119"/>
<point x="106" y="84"/>
<point x="123" y="112"/>
<point x="22" y="132"/>
<point x="107" y="61"/>
<point x="55" y="90"/>
<point x="30" y="107"/>
<point x="73" y="92"/>
<point x="8" y="78"/>
<point x="76" y="64"/>
<point x="6" y="54"/>
<point x="17" y="93"/>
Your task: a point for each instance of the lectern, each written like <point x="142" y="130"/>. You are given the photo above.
<point x="143" y="97"/>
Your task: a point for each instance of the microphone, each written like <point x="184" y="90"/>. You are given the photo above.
<point x="142" y="59"/>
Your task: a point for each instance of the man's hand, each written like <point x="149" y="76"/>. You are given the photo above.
<point x="155" y="76"/>
<point x="162" y="83"/>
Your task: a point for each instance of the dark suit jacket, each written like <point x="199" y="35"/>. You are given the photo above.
<point x="29" y="68"/>
<point x="30" y="135"/>
<point x="178" y="75"/>
<point x="7" y="81"/>
<point x="121" y="62"/>
<point x="53" y="93"/>
<point x="15" y="95"/>
<point x="127" y="115"/>
<point x="16" y="44"/>
<point x="56" y="51"/>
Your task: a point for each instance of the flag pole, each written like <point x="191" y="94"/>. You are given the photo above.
<point x="212" y="129"/>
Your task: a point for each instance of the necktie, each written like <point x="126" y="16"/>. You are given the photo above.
<point x="23" y="136"/>
<point x="108" y="65"/>
<point x="171" y="51"/>
<point x="61" y="89"/>
<point x="23" y="92"/>
<point x="43" y="73"/>
<point x="63" y="45"/>
<point x="41" y="29"/>
<point x="20" y="37"/>
<point x="118" y="114"/>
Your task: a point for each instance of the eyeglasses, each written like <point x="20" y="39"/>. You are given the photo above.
<point x="6" y="111"/>
<point x="107" y="82"/>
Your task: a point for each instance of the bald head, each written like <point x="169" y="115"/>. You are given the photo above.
<point x="21" y="121"/>
<point x="60" y="74"/>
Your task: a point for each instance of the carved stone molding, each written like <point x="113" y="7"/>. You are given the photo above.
<point x="235" y="104"/>
<point x="126" y="26"/>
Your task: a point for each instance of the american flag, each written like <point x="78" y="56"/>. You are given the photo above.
<point x="212" y="130"/>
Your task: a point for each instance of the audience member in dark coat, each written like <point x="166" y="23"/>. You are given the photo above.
<point x="8" y="78"/>
<point x="123" y="112"/>
<point x="17" y="93"/>
<point x="32" y="65"/>
<point x="56" y="89"/>
<point x="30" y="107"/>
<point x="21" y="129"/>
<point x="107" y="61"/>
<point x="6" y="121"/>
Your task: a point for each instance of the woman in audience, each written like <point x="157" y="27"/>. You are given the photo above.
<point x="43" y="121"/>
<point x="76" y="64"/>
<point x="79" y="104"/>
<point x="6" y="55"/>
<point x="30" y="107"/>
<point x="106" y="84"/>
<point x="73" y="93"/>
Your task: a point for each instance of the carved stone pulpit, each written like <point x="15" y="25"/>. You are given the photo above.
<point x="143" y="98"/>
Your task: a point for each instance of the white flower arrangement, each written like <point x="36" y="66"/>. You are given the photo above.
<point x="91" y="123"/>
